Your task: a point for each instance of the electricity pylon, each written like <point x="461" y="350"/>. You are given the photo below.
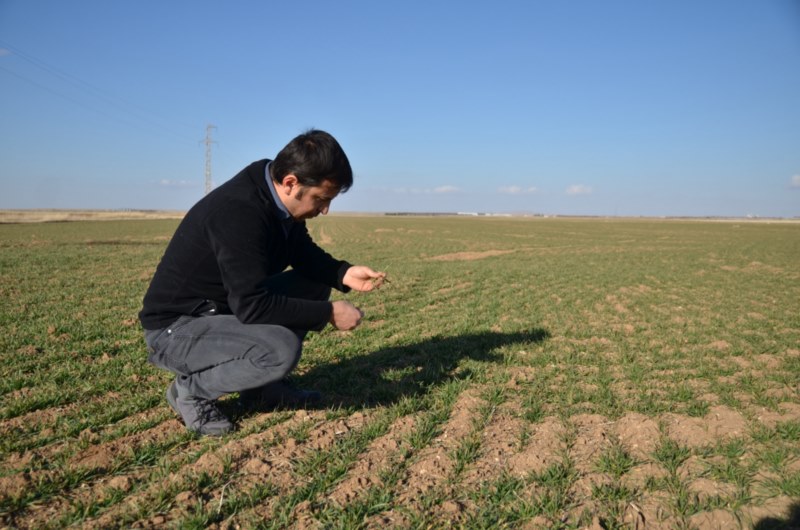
<point x="208" y="143"/>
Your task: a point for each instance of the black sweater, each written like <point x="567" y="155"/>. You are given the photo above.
<point x="225" y="248"/>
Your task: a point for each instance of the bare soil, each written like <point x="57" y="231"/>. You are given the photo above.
<point x="507" y="445"/>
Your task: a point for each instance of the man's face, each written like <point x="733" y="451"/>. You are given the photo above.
<point x="306" y="202"/>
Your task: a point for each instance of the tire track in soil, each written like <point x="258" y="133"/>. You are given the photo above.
<point x="249" y="467"/>
<point x="429" y="472"/>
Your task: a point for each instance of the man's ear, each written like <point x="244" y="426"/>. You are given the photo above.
<point x="289" y="182"/>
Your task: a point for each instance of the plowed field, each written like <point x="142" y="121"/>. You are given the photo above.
<point x="514" y="373"/>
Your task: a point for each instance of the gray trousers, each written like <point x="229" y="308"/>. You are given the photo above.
<point x="216" y="355"/>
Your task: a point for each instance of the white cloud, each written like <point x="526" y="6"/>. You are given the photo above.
<point x="795" y="181"/>
<point x="167" y="183"/>
<point x="4" y="52"/>
<point x="516" y="190"/>
<point x="426" y="191"/>
<point x="579" y="189"/>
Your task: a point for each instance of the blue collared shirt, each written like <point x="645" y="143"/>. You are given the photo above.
<point x="283" y="213"/>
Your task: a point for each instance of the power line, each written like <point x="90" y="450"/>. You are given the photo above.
<point x="66" y="97"/>
<point x="132" y="109"/>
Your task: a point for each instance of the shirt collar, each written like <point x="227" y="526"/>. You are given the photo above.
<point x="283" y="213"/>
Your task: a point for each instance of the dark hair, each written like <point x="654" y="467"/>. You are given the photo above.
<point x="313" y="157"/>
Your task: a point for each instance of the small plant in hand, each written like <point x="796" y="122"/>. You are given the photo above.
<point x="382" y="279"/>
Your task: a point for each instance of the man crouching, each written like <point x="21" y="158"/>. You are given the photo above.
<point x="223" y="313"/>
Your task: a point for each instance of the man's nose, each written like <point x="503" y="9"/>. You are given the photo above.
<point x="324" y="210"/>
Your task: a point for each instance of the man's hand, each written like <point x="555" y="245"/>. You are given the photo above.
<point x="361" y="278"/>
<point x="345" y="316"/>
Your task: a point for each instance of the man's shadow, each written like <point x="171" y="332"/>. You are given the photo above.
<point x="388" y="375"/>
<point x="792" y="522"/>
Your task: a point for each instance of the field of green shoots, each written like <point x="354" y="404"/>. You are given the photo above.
<point x="514" y="373"/>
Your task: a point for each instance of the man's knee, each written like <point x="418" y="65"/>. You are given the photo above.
<point x="279" y="350"/>
<point x="312" y="290"/>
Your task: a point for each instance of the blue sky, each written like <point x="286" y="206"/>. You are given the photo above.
<point x="588" y="107"/>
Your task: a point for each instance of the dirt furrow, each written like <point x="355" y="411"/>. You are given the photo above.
<point x="103" y="457"/>
<point x="721" y="423"/>
<point x="426" y="478"/>
<point x="42" y="423"/>
<point x="384" y="452"/>
<point x="36" y="420"/>
<point x="95" y="460"/>
<point x="31" y="468"/>
<point x="544" y="447"/>
<point x="258" y="467"/>
<point x="593" y="436"/>
<point x="214" y="464"/>
<point x="500" y="441"/>
<point x="638" y="434"/>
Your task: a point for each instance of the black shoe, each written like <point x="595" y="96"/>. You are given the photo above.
<point x="199" y="415"/>
<point x="278" y="394"/>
